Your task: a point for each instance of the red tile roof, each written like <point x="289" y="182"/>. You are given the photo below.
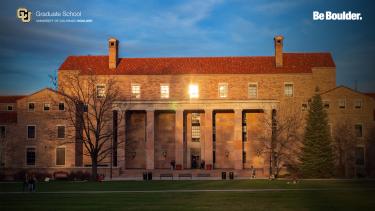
<point x="9" y="99"/>
<point x="293" y="63"/>
<point x="8" y="117"/>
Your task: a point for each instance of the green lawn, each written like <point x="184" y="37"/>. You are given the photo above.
<point x="321" y="195"/>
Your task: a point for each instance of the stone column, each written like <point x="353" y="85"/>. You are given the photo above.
<point x="179" y="138"/>
<point x="238" y="139"/>
<point x="121" y="137"/>
<point x="208" y="138"/>
<point x="150" y="142"/>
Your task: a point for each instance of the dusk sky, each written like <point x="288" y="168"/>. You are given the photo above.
<point x="31" y="51"/>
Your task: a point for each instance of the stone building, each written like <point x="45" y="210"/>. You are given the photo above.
<point x="204" y="113"/>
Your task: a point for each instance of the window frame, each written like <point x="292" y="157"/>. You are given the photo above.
<point x="63" y="103"/>
<point x="57" y="134"/>
<point x="226" y="90"/>
<point x="26" y="160"/>
<point x="355" y="130"/>
<point x="10" y="106"/>
<point x="303" y="108"/>
<point x="133" y="95"/>
<point x="28" y="106"/>
<point x="97" y="91"/>
<point x="285" y="85"/>
<point x="60" y="147"/>
<point x="339" y="103"/>
<point x="326" y="102"/>
<point x="193" y="95"/>
<point x="161" y="91"/>
<point x="27" y="132"/>
<point x="355" y="104"/>
<point x="248" y="90"/>
<point x="49" y="107"/>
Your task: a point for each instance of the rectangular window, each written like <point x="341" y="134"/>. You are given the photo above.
<point x="100" y="91"/>
<point x="136" y="91"/>
<point x="193" y="91"/>
<point x="253" y="90"/>
<point x="223" y="90"/>
<point x="243" y="157"/>
<point x="195" y="127"/>
<point x="61" y="132"/>
<point x="85" y="108"/>
<point x="31" y="107"/>
<point x="10" y="108"/>
<point x="61" y="106"/>
<point x="60" y="156"/>
<point x="358" y="104"/>
<point x="326" y="104"/>
<point x="358" y="130"/>
<point x="304" y="106"/>
<point x="31" y="131"/>
<point x="46" y="107"/>
<point x="2" y="132"/>
<point x="288" y="89"/>
<point x="342" y="103"/>
<point x="214" y="156"/>
<point x="164" y="91"/>
<point x="360" y="156"/>
<point x="30" y="156"/>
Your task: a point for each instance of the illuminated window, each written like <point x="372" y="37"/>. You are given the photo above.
<point x="100" y="91"/>
<point x="253" y="90"/>
<point x="136" y="91"/>
<point x="193" y="91"/>
<point x="342" y="103"/>
<point x="195" y="127"/>
<point x="288" y="89"/>
<point x="223" y="90"/>
<point x="358" y="104"/>
<point x="164" y="91"/>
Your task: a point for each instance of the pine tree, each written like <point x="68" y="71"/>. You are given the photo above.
<point x="317" y="157"/>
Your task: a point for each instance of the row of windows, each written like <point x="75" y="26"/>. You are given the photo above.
<point x="358" y="130"/>
<point x="31" y="132"/>
<point x="46" y="106"/>
<point x="194" y="90"/>
<point x="342" y="104"/>
<point x="31" y="156"/>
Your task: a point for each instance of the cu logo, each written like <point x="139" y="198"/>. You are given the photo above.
<point x="24" y="15"/>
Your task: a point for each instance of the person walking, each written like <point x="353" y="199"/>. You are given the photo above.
<point x="25" y="185"/>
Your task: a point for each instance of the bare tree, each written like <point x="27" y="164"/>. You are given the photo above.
<point x="282" y="139"/>
<point x="344" y="142"/>
<point x="90" y="104"/>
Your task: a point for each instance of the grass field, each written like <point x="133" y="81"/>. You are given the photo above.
<point x="167" y="195"/>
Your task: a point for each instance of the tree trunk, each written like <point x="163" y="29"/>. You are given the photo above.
<point x="94" y="168"/>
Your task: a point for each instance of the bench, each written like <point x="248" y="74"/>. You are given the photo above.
<point x="60" y="175"/>
<point x="188" y="175"/>
<point x="166" y="175"/>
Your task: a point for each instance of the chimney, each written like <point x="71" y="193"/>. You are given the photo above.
<point x="113" y="52"/>
<point x="279" y="50"/>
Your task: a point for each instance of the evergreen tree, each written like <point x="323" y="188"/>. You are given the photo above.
<point x="317" y="157"/>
